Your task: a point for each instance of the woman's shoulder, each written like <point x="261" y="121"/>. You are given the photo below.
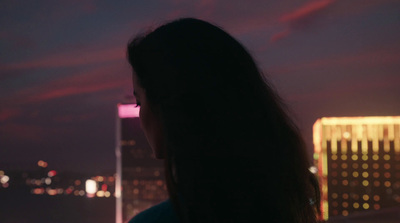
<point x="162" y="212"/>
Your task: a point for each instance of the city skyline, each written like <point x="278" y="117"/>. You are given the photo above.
<point x="63" y="68"/>
<point x="358" y="164"/>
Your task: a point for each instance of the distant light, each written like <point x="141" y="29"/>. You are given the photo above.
<point x="128" y="111"/>
<point x="346" y="135"/>
<point x="91" y="186"/>
<point x="100" y="178"/>
<point x="47" y="181"/>
<point x="81" y="192"/>
<point x="38" y="191"/>
<point x="1" y="173"/>
<point x="104" y="187"/>
<point x="4" y="179"/>
<point x="42" y="163"/>
<point x="107" y="194"/>
<point x="51" y="192"/>
<point x="68" y="191"/>
<point x="77" y="182"/>
<point x="52" y="173"/>
<point x="100" y="193"/>
<point x="313" y="169"/>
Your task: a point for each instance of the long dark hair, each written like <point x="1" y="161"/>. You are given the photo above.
<point x="233" y="155"/>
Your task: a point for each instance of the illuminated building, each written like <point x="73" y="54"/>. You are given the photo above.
<point x="358" y="159"/>
<point x="140" y="180"/>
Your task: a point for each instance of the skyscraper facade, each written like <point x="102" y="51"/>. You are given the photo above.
<point x="140" y="180"/>
<point x="358" y="160"/>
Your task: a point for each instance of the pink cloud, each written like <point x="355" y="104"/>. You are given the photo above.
<point x="76" y="90"/>
<point x="95" y="80"/>
<point x="70" y="59"/>
<point x="305" y="11"/>
<point x="299" y="16"/>
<point x="9" y="113"/>
<point x="280" y="35"/>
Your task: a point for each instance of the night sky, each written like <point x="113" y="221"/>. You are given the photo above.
<point x="63" y="66"/>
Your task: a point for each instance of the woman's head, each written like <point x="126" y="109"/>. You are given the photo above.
<point x="230" y="150"/>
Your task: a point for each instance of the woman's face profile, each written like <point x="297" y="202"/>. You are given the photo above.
<point x="149" y="121"/>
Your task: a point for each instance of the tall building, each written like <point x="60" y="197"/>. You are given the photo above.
<point x="358" y="160"/>
<point x="140" y="180"/>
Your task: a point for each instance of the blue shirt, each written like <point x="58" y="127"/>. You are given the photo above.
<point x="160" y="213"/>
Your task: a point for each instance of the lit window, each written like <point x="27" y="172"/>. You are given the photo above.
<point x="386" y="157"/>
<point x="345" y="204"/>
<point x="345" y="182"/>
<point x="365" y="197"/>
<point x="386" y="166"/>
<point x="344" y="174"/>
<point x="387" y="175"/>
<point x="376" y="174"/>
<point x="345" y="213"/>
<point x="387" y="183"/>
<point x="375" y="166"/>
<point x="375" y="157"/>
<point x="365" y="205"/>
<point x="344" y="165"/>
<point x="355" y="196"/>
<point x="334" y="195"/>
<point x="354" y="157"/>
<point x="365" y="157"/>
<point x="365" y="183"/>
<point x="344" y="157"/>
<point x="365" y="174"/>
<point x="377" y="183"/>
<point x="356" y="205"/>
<point x="355" y="165"/>
<point x="334" y="157"/>
<point x="377" y="206"/>
<point x="345" y="196"/>
<point x="376" y="198"/>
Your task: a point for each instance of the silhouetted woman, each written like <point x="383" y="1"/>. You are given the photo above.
<point x="231" y="152"/>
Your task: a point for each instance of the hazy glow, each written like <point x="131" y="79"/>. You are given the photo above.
<point x="52" y="173"/>
<point x="47" y="181"/>
<point x="4" y="179"/>
<point x="91" y="186"/>
<point x="313" y="169"/>
<point x="43" y="164"/>
<point x="128" y="111"/>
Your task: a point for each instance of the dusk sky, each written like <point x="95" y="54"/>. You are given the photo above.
<point x="63" y="68"/>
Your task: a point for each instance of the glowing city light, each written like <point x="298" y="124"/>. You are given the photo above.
<point x="91" y="186"/>
<point x="128" y="111"/>
<point x="51" y="173"/>
<point x="42" y="163"/>
<point x="4" y="179"/>
<point x="359" y="152"/>
<point x="47" y="181"/>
